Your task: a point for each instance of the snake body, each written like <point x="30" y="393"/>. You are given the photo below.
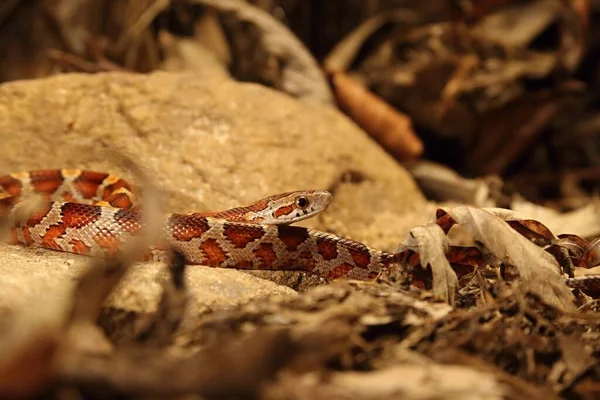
<point x="89" y="212"/>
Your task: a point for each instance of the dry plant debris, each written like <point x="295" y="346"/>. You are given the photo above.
<point x="511" y="314"/>
<point x="498" y="339"/>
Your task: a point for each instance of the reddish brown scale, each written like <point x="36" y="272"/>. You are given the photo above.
<point x="237" y="214"/>
<point x="76" y="215"/>
<point x="109" y="243"/>
<point x="87" y="183"/>
<point x="340" y="271"/>
<point x="129" y="221"/>
<point x="305" y="261"/>
<point x="187" y="227"/>
<point x="327" y="249"/>
<point x="281" y="211"/>
<point x="292" y="236"/>
<point x="38" y="215"/>
<point x="52" y="233"/>
<point x="120" y="200"/>
<point x="26" y="236"/>
<point x="6" y="204"/>
<point x="212" y="253"/>
<point x="120" y="184"/>
<point x="10" y="185"/>
<point x="243" y="264"/>
<point x="229" y="215"/>
<point x="240" y="236"/>
<point x="409" y="257"/>
<point x="465" y="260"/>
<point x="46" y="181"/>
<point x="78" y="247"/>
<point x="361" y="257"/>
<point x="68" y="197"/>
<point x="266" y="254"/>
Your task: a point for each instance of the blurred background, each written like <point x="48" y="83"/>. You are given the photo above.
<point x="489" y="88"/>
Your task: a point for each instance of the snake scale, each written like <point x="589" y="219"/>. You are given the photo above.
<point x="88" y="212"/>
<point x="91" y="212"/>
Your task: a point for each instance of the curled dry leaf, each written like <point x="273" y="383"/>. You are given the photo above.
<point x="591" y="255"/>
<point x="298" y="73"/>
<point x="389" y="127"/>
<point x="538" y="270"/>
<point x="432" y="245"/>
<point x="532" y="230"/>
<point x="584" y="221"/>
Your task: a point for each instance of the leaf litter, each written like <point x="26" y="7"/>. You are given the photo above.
<point x="493" y="319"/>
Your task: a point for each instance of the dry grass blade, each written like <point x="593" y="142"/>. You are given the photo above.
<point x="539" y="271"/>
<point x="432" y="245"/>
<point x="301" y="75"/>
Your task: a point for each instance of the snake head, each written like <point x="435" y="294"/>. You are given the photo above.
<point x="287" y="208"/>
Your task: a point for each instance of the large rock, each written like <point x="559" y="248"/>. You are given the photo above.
<point x="211" y="143"/>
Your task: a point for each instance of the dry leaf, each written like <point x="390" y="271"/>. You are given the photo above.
<point x="389" y="127"/>
<point x="539" y="271"/>
<point x="443" y="184"/>
<point x="584" y="221"/>
<point x="287" y="65"/>
<point x="432" y="245"/>
<point x="591" y="256"/>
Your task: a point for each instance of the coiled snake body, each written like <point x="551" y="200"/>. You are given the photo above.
<point x="89" y="212"/>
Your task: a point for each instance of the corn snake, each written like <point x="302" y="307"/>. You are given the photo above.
<point x="93" y="212"/>
<point x="88" y="212"/>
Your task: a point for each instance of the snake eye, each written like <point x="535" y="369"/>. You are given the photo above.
<point x="302" y="202"/>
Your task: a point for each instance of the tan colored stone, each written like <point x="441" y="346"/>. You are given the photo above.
<point x="32" y="275"/>
<point x="211" y="143"/>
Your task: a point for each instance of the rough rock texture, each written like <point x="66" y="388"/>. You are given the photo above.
<point x="211" y="143"/>
<point x="30" y="275"/>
